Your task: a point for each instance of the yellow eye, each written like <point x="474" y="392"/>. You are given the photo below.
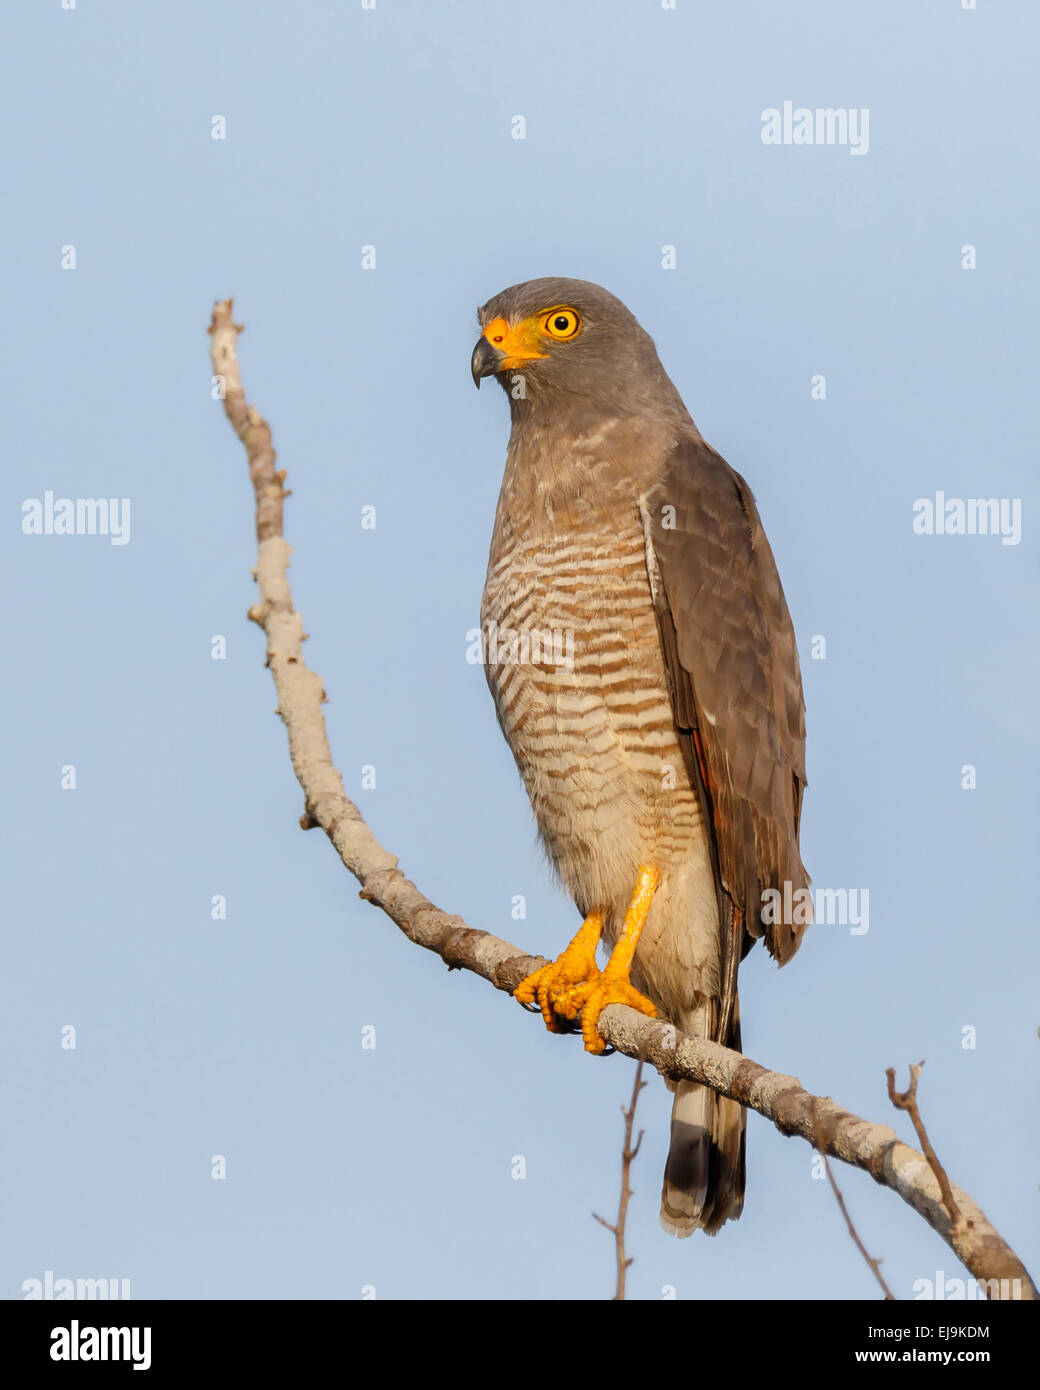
<point x="563" y="323"/>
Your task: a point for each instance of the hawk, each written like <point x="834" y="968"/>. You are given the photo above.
<point x="645" y="673"/>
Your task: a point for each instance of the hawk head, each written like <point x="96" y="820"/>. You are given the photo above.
<point x="566" y="338"/>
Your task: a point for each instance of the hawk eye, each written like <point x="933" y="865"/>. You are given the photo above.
<point x="562" y="323"/>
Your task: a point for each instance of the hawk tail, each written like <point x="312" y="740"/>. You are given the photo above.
<point x="704" y="1175"/>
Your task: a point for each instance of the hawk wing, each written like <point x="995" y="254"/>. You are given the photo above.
<point x="732" y="664"/>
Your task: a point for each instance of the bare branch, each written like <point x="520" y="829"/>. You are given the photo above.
<point x="781" y="1099"/>
<point x="875" y="1265"/>
<point x="628" y="1153"/>
<point x="907" y="1100"/>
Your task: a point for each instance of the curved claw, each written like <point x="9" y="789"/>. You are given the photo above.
<point x="610" y="989"/>
<point x="575" y="985"/>
<point x="559" y="989"/>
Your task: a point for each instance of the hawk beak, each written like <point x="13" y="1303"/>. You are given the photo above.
<point x="485" y="361"/>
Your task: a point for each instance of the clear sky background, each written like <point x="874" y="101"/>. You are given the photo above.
<point x="392" y="1167"/>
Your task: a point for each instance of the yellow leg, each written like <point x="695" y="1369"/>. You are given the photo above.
<point x="558" y="987"/>
<point x="613" y="985"/>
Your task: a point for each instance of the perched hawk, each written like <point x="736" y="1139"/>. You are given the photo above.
<point x="644" y="668"/>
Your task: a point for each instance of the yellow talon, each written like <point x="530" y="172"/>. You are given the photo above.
<point x="614" y="985"/>
<point x="574" y="983"/>
<point x="558" y="987"/>
<point x="609" y="991"/>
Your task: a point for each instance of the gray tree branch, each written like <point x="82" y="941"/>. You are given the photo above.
<point x="783" y="1100"/>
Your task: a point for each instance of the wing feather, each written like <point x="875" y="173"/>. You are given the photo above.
<point x="732" y="663"/>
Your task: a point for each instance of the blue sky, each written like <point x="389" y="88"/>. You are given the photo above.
<point x="391" y="1167"/>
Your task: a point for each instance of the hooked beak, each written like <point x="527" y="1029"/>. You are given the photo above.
<point x="485" y="361"/>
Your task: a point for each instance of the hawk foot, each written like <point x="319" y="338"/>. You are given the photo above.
<point x="608" y="989"/>
<point x="560" y="988"/>
<point x="614" y="985"/>
<point x="574" y="984"/>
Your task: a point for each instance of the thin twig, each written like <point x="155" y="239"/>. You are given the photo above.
<point x="875" y="1265"/>
<point x="907" y="1100"/>
<point x="781" y="1099"/>
<point x="628" y="1153"/>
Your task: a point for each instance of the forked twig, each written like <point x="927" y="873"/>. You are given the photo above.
<point x="628" y="1153"/>
<point x="875" y="1265"/>
<point x="907" y="1100"/>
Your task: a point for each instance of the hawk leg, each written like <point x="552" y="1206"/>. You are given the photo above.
<point x="575" y="983"/>
<point x="613" y="985"/>
<point x="558" y="987"/>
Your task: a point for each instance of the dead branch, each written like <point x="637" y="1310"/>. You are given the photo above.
<point x="907" y="1100"/>
<point x="874" y="1265"/>
<point x="628" y="1153"/>
<point x="782" y="1099"/>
